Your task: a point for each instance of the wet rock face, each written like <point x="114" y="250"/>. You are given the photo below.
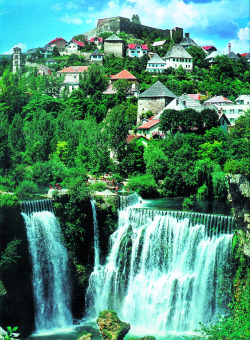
<point x="239" y="195"/>
<point x="111" y="327"/>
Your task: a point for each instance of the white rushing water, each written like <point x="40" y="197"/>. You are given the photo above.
<point x="50" y="276"/>
<point x="96" y="234"/>
<point x="165" y="270"/>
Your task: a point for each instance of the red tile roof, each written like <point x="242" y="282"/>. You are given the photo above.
<point x="207" y="47"/>
<point x="74" y="69"/>
<point x="195" y="96"/>
<point x="132" y="137"/>
<point x="124" y="74"/>
<point x="79" y="43"/>
<point x="93" y="39"/>
<point x="133" y="46"/>
<point x="245" y="55"/>
<point x="56" y="40"/>
<point x="149" y="124"/>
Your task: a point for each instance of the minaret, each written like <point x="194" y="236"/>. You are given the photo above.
<point x="17" y="59"/>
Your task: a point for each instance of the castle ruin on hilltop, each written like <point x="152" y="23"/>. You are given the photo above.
<point x="119" y="24"/>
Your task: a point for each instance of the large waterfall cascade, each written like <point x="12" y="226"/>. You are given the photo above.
<point x="50" y="274"/>
<point x="166" y="271"/>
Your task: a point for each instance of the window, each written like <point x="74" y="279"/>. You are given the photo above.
<point x="231" y="119"/>
<point x="16" y="62"/>
<point x="232" y="111"/>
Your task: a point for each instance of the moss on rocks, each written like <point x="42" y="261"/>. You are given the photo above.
<point x="111" y="327"/>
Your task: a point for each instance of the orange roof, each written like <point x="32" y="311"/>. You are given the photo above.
<point x="124" y="74"/>
<point x="74" y="69"/>
<point x="149" y="124"/>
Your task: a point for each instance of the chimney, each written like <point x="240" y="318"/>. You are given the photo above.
<point x="186" y="35"/>
<point x="229" y="48"/>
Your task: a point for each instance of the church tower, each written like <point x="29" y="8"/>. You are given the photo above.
<point x="17" y="59"/>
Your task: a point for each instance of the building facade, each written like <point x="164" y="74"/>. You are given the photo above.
<point x="17" y="59"/>
<point x="137" y="50"/>
<point x="114" y="46"/>
<point x="178" y="56"/>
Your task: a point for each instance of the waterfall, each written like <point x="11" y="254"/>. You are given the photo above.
<point x="166" y="271"/>
<point x="96" y="235"/>
<point x="50" y="275"/>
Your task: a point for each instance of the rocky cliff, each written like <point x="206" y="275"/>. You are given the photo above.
<point x="239" y="195"/>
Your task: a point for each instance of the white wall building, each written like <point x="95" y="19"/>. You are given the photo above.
<point x="156" y="64"/>
<point x="234" y="111"/>
<point x="138" y="51"/>
<point x="71" y="76"/>
<point x="73" y="47"/>
<point x="178" y="56"/>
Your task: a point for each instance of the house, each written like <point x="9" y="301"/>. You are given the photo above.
<point x="181" y="103"/>
<point x="140" y="140"/>
<point x="96" y="40"/>
<point x="195" y="96"/>
<point x="137" y="50"/>
<point x="218" y="100"/>
<point x="124" y="74"/>
<point x="178" y="56"/>
<point x="243" y="99"/>
<point x="43" y="71"/>
<point x="30" y="53"/>
<point x="187" y="42"/>
<point x="156" y="64"/>
<point x="60" y="43"/>
<point x="247" y="56"/>
<point x="211" y="57"/>
<point x="73" y="46"/>
<point x="51" y="61"/>
<point x="47" y="51"/>
<point x="224" y="122"/>
<point x="159" y="44"/>
<point x="149" y="128"/>
<point x="114" y="46"/>
<point x="233" y="111"/>
<point x="96" y="56"/>
<point x="71" y="80"/>
<point x="154" y="99"/>
<point x="209" y="49"/>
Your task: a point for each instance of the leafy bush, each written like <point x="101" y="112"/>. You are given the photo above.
<point x="144" y="185"/>
<point x="50" y="172"/>
<point x="234" y="166"/>
<point x="10" y="254"/>
<point x="6" y="183"/>
<point x="97" y="186"/>
<point x="202" y="191"/>
<point x="8" y="201"/>
<point x="188" y="203"/>
<point x="220" y="185"/>
<point x="26" y="189"/>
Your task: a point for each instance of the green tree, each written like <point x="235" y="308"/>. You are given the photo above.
<point x="93" y="80"/>
<point x="55" y="52"/>
<point x="135" y="19"/>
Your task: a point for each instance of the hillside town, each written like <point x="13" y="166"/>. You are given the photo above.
<point x="160" y="57"/>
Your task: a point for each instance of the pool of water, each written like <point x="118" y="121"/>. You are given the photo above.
<point x="90" y="326"/>
<point x="175" y="204"/>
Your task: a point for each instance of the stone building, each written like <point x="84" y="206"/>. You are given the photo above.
<point x="178" y="56"/>
<point x="17" y="59"/>
<point x="114" y="45"/>
<point x="120" y="24"/>
<point x="154" y="99"/>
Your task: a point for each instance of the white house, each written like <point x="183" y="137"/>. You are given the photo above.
<point x="243" y="99"/>
<point x="96" y="56"/>
<point x="71" y="80"/>
<point x="178" y="56"/>
<point x="159" y="44"/>
<point x="156" y="64"/>
<point x="73" y="46"/>
<point x="218" y="100"/>
<point x="149" y="128"/>
<point x="211" y="57"/>
<point x="233" y="111"/>
<point x="137" y="50"/>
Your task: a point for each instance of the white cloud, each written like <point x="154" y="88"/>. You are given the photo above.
<point x="242" y="43"/>
<point x="20" y="45"/>
<point x="57" y="7"/>
<point x="71" y="20"/>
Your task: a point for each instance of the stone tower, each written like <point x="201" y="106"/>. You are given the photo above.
<point x="17" y="59"/>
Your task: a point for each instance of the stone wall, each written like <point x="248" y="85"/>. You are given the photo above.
<point x="239" y="195"/>
<point x="115" y="48"/>
<point x="145" y="104"/>
<point x="117" y="25"/>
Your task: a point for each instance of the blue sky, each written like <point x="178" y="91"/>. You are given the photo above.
<point x="30" y="24"/>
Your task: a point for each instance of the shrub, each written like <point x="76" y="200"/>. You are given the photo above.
<point x="50" y="172"/>
<point x="236" y="167"/>
<point x="97" y="186"/>
<point x="144" y="185"/>
<point x="8" y="201"/>
<point x="188" y="203"/>
<point x="26" y="189"/>
<point x="220" y="185"/>
<point x="202" y="191"/>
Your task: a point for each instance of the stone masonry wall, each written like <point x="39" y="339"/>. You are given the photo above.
<point x="155" y="105"/>
<point x="115" y="48"/>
